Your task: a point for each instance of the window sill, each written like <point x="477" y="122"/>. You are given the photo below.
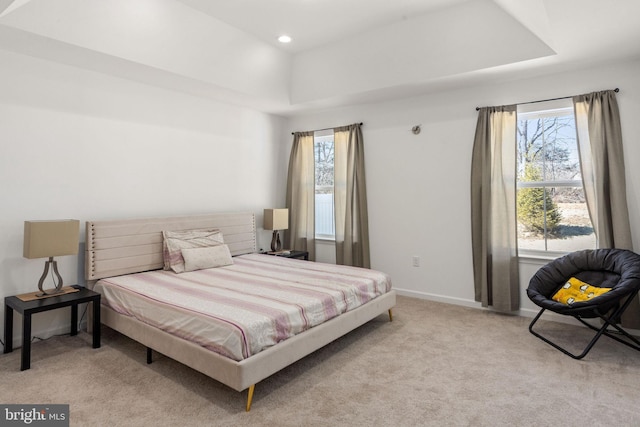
<point x="539" y="256"/>
<point x="326" y="239"/>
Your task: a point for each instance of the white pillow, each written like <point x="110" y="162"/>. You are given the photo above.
<point x="209" y="257"/>
<point x="175" y="241"/>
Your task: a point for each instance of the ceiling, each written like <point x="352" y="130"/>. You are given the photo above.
<point x="313" y="23"/>
<point x="343" y="51"/>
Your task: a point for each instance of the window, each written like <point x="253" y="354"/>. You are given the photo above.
<point x="551" y="208"/>
<point x="324" y="157"/>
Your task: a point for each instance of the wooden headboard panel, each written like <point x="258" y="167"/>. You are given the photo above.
<point x="121" y="247"/>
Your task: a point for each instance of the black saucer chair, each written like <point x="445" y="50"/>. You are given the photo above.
<point x="617" y="269"/>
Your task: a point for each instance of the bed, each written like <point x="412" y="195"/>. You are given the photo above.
<point x="118" y="252"/>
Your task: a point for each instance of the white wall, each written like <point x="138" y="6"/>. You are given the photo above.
<point x="78" y="144"/>
<point x="418" y="186"/>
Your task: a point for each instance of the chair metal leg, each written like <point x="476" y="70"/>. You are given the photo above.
<point x="632" y="341"/>
<point x="556" y="346"/>
<point x="603" y="330"/>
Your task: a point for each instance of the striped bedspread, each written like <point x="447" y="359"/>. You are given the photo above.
<point x="241" y="309"/>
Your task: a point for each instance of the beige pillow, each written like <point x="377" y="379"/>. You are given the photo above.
<point x="175" y="241"/>
<point x="200" y="258"/>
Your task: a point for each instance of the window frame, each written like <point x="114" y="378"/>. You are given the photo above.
<point x="533" y="111"/>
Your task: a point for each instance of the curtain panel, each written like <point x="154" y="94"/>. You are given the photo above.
<point x="602" y="163"/>
<point x="603" y="174"/>
<point x="300" y="197"/>
<point x="350" y="198"/>
<point x="493" y="209"/>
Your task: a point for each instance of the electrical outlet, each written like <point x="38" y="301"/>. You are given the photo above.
<point x="416" y="261"/>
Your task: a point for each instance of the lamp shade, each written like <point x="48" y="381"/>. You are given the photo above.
<point x="44" y="239"/>
<point x="276" y="219"/>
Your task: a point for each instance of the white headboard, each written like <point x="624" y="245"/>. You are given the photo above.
<point x="128" y="246"/>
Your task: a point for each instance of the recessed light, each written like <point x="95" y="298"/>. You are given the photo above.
<point x="284" y="39"/>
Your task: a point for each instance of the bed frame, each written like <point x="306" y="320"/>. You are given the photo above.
<point x="129" y="246"/>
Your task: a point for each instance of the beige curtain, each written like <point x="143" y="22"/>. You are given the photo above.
<point x="301" y="195"/>
<point x="493" y="209"/>
<point x="350" y="198"/>
<point x="603" y="175"/>
<point x="602" y="163"/>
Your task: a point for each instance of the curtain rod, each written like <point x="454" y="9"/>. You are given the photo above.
<point x="616" y="90"/>
<point x="318" y="130"/>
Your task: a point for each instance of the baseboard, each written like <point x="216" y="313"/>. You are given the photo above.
<point x="439" y="298"/>
<point x="549" y="315"/>
<point x="523" y="312"/>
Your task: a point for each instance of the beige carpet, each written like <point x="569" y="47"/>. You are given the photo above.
<point x="434" y="365"/>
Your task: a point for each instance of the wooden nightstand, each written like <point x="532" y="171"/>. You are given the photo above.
<point x="27" y="308"/>
<point x="292" y="254"/>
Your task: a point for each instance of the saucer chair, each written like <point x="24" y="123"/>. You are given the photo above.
<point x="617" y="269"/>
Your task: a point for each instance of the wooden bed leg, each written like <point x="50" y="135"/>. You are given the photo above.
<point x="390" y="316"/>
<point x="250" y="397"/>
<point x="149" y="356"/>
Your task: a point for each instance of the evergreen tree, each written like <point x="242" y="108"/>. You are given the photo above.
<point x="532" y="202"/>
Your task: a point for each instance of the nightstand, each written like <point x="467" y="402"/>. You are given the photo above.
<point x="292" y="254"/>
<point x="28" y="308"/>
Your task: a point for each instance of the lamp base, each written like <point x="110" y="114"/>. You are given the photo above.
<point x="58" y="288"/>
<point x="276" y="244"/>
<point x="32" y="296"/>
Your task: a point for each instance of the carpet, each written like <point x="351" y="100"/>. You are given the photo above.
<point x="434" y="365"/>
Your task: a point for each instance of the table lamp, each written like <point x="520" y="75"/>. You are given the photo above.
<point x="276" y="219"/>
<point x="48" y="239"/>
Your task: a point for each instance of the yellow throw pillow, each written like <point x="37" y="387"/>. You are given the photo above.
<point x="576" y="290"/>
